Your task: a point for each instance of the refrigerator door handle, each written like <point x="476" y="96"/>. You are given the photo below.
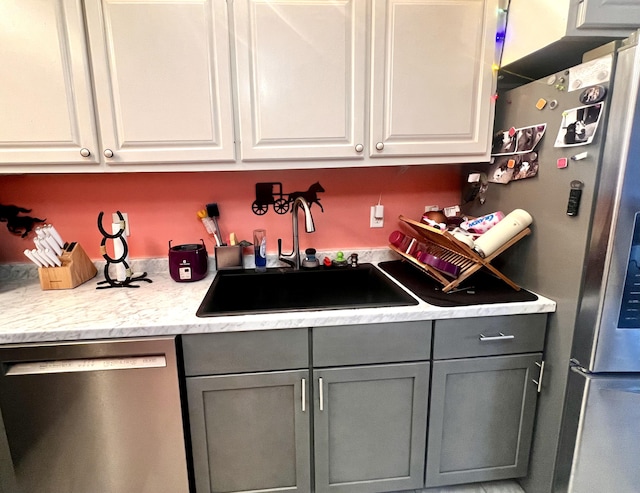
<point x="539" y="381"/>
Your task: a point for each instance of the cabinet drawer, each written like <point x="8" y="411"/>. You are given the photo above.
<point x="240" y="352"/>
<point x="486" y="336"/>
<point x="371" y="343"/>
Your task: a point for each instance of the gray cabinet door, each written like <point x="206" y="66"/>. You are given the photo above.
<point x="370" y="427"/>
<point x="481" y="418"/>
<point x="250" y="432"/>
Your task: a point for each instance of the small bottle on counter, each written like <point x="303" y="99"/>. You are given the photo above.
<point x="310" y="261"/>
<point x="260" y="249"/>
<point x="498" y="235"/>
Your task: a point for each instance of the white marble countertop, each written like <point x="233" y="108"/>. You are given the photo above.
<point x="166" y="307"/>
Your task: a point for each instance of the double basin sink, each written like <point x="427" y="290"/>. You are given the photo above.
<point x="286" y="290"/>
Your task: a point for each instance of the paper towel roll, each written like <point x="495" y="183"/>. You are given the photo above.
<point x="511" y="225"/>
<point x="118" y="250"/>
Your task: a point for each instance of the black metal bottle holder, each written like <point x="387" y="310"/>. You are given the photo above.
<point x="113" y="283"/>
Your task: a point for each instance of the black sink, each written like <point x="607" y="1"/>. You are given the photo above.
<point x="286" y="290"/>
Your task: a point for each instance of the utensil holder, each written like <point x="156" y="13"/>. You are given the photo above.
<point x="228" y="257"/>
<point x="76" y="269"/>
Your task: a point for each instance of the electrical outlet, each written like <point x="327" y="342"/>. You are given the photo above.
<point x="377" y="216"/>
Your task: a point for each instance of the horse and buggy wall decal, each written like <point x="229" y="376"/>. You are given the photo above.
<point x="271" y="194"/>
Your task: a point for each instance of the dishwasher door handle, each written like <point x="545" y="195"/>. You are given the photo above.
<point x="87" y="364"/>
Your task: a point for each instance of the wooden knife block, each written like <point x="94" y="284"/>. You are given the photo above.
<point x="76" y="268"/>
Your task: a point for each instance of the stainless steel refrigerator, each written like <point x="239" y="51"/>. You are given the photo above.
<point x="585" y="254"/>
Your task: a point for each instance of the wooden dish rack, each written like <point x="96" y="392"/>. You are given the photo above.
<point x="445" y="246"/>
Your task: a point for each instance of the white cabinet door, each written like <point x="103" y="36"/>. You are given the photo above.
<point x="162" y="80"/>
<point x="432" y="78"/>
<point x="46" y="109"/>
<point x="301" y="78"/>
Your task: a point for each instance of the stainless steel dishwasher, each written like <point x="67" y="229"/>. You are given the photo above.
<point x="93" y="417"/>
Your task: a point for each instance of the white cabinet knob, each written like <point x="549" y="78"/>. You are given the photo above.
<point x="108" y="153"/>
<point x="84" y="152"/>
<point x="379" y="146"/>
<point x="359" y="147"/>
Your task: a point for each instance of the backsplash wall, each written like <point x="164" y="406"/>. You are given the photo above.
<point x="163" y="206"/>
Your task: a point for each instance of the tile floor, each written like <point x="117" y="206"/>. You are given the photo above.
<point x="492" y="487"/>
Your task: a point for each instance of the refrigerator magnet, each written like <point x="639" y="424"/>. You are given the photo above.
<point x="579" y="125"/>
<point x="562" y="163"/>
<point x="592" y="95"/>
<point x="579" y="157"/>
<point x="541" y="103"/>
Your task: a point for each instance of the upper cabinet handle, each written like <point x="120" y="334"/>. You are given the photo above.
<point x="359" y="147"/>
<point x="108" y="153"/>
<point x="84" y="152"/>
<point x="379" y="146"/>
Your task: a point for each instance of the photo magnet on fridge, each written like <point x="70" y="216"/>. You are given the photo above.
<point x="579" y="126"/>
<point x="510" y="168"/>
<point x="517" y="141"/>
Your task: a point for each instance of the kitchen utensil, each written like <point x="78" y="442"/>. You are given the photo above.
<point x="214" y="213"/>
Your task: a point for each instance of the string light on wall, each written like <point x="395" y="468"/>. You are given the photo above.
<point x="501" y="33"/>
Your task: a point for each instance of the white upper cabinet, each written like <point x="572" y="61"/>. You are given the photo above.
<point x="608" y="14"/>
<point x="569" y="26"/>
<point x="432" y="78"/>
<point x="186" y="85"/>
<point x="301" y="78"/>
<point x="46" y="109"/>
<point x="162" y="80"/>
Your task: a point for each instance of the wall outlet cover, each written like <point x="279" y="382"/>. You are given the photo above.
<point x="376" y="222"/>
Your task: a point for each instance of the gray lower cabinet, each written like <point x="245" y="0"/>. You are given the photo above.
<point x="361" y="410"/>
<point x="370" y="412"/>
<point x="370" y="428"/>
<point x="484" y="390"/>
<point x="248" y="400"/>
<point x="250" y="432"/>
<point x="262" y="412"/>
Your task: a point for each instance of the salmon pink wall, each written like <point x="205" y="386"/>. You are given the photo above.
<point x="163" y="206"/>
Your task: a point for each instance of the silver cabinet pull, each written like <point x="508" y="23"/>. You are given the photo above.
<point x="539" y="381"/>
<point x="379" y="146"/>
<point x="359" y="147"/>
<point x="108" y="153"/>
<point x="501" y="337"/>
<point x="304" y="395"/>
<point x="84" y="152"/>
<point x="321" y="389"/>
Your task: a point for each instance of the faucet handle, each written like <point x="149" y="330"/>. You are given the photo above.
<point x="281" y="258"/>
